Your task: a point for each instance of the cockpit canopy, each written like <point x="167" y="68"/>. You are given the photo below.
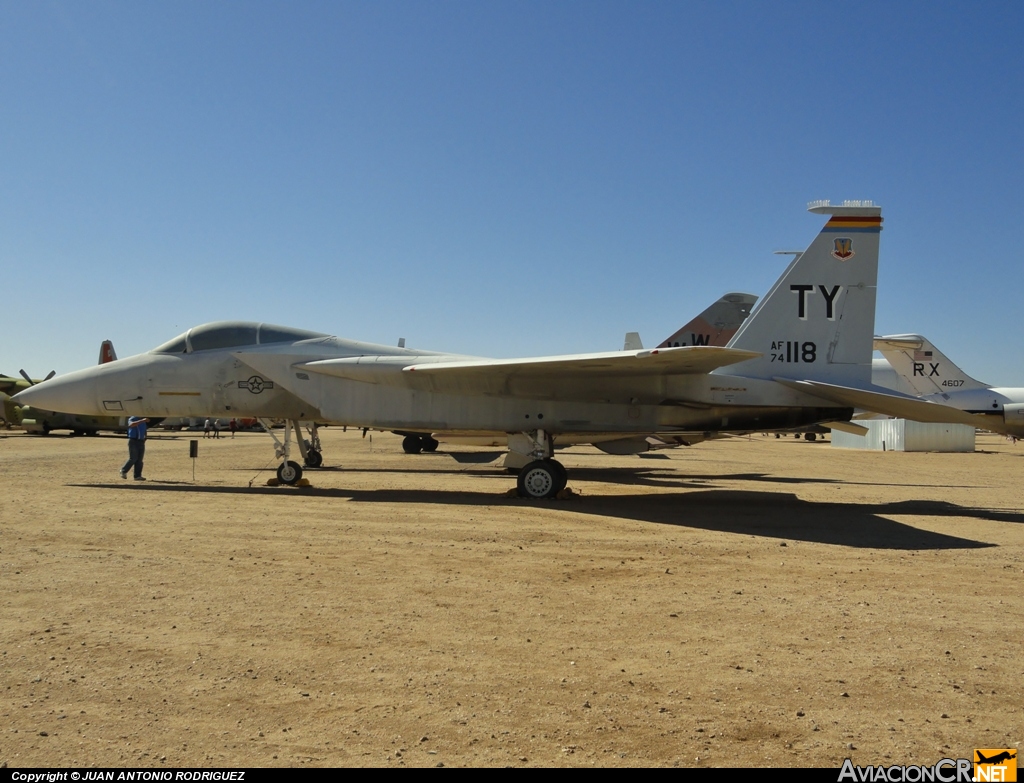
<point x="233" y="334"/>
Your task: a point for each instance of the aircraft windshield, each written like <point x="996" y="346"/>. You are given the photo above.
<point x="233" y="334"/>
<point x="224" y="335"/>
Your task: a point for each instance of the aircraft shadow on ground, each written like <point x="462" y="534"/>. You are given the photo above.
<point x="766" y="514"/>
<point x="642" y="475"/>
<point x="676" y="476"/>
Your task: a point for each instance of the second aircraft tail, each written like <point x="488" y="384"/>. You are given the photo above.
<point x="923" y="366"/>
<point x="716" y="325"/>
<point x="107" y="353"/>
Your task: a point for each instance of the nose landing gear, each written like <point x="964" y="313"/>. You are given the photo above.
<point x="289" y="471"/>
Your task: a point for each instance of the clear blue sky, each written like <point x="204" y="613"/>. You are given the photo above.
<point x="497" y="178"/>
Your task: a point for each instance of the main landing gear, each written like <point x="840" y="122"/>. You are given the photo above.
<point x="543" y="477"/>
<point x="313" y="455"/>
<point x="289" y="471"/>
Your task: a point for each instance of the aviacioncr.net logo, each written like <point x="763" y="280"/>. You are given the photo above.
<point x="944" y="771"/>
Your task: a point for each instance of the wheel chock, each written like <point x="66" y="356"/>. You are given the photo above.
<point x="274" y="482"/>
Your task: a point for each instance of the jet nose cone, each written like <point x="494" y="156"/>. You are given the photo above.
<point x="73" y="393"/>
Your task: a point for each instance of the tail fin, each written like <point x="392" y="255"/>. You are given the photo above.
<point x="921" y="365"/>
<point x="632" y="342"/>
<point x="817" y="321"/>
<point x="107" y="352"/>
<point x="716" y="325"/>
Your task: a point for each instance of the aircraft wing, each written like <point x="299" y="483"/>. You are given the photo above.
<point x="889" y="404"/>
<point x="686" y="360"/>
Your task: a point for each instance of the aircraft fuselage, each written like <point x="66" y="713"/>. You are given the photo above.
<point x="279" y="382"/>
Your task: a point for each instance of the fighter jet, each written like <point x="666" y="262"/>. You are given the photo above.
<point x="813" y="327"/>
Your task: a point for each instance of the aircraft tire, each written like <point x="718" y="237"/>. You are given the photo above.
<point x="289" y="472"/>
<point x="562" y="477"/>
<point x="810" y="436"/>
<point x="430" y="444"/>
<point x="539" y="479"/>
<point x="314" y="459"/>
<point x="412" y="444"/>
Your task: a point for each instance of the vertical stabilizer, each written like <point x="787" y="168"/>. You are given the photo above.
<point x="817" y="321"/>
<point x="632" y="342"/>
<point x="107" y="352"/>
<point x="716" y="325"/>
<point x="923" y="366"/>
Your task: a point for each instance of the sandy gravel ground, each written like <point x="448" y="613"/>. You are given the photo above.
<point x="745" y="602"/>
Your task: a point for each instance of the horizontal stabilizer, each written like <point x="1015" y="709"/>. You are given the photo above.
<point x="898" y="341"/>
<point x="846" y="426"/>
<point x="889" y="404"/>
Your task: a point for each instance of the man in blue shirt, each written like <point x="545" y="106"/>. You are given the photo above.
<point x="136" y="446"/>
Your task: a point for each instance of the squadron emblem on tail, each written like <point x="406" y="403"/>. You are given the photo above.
<point x="843" y="248"/>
